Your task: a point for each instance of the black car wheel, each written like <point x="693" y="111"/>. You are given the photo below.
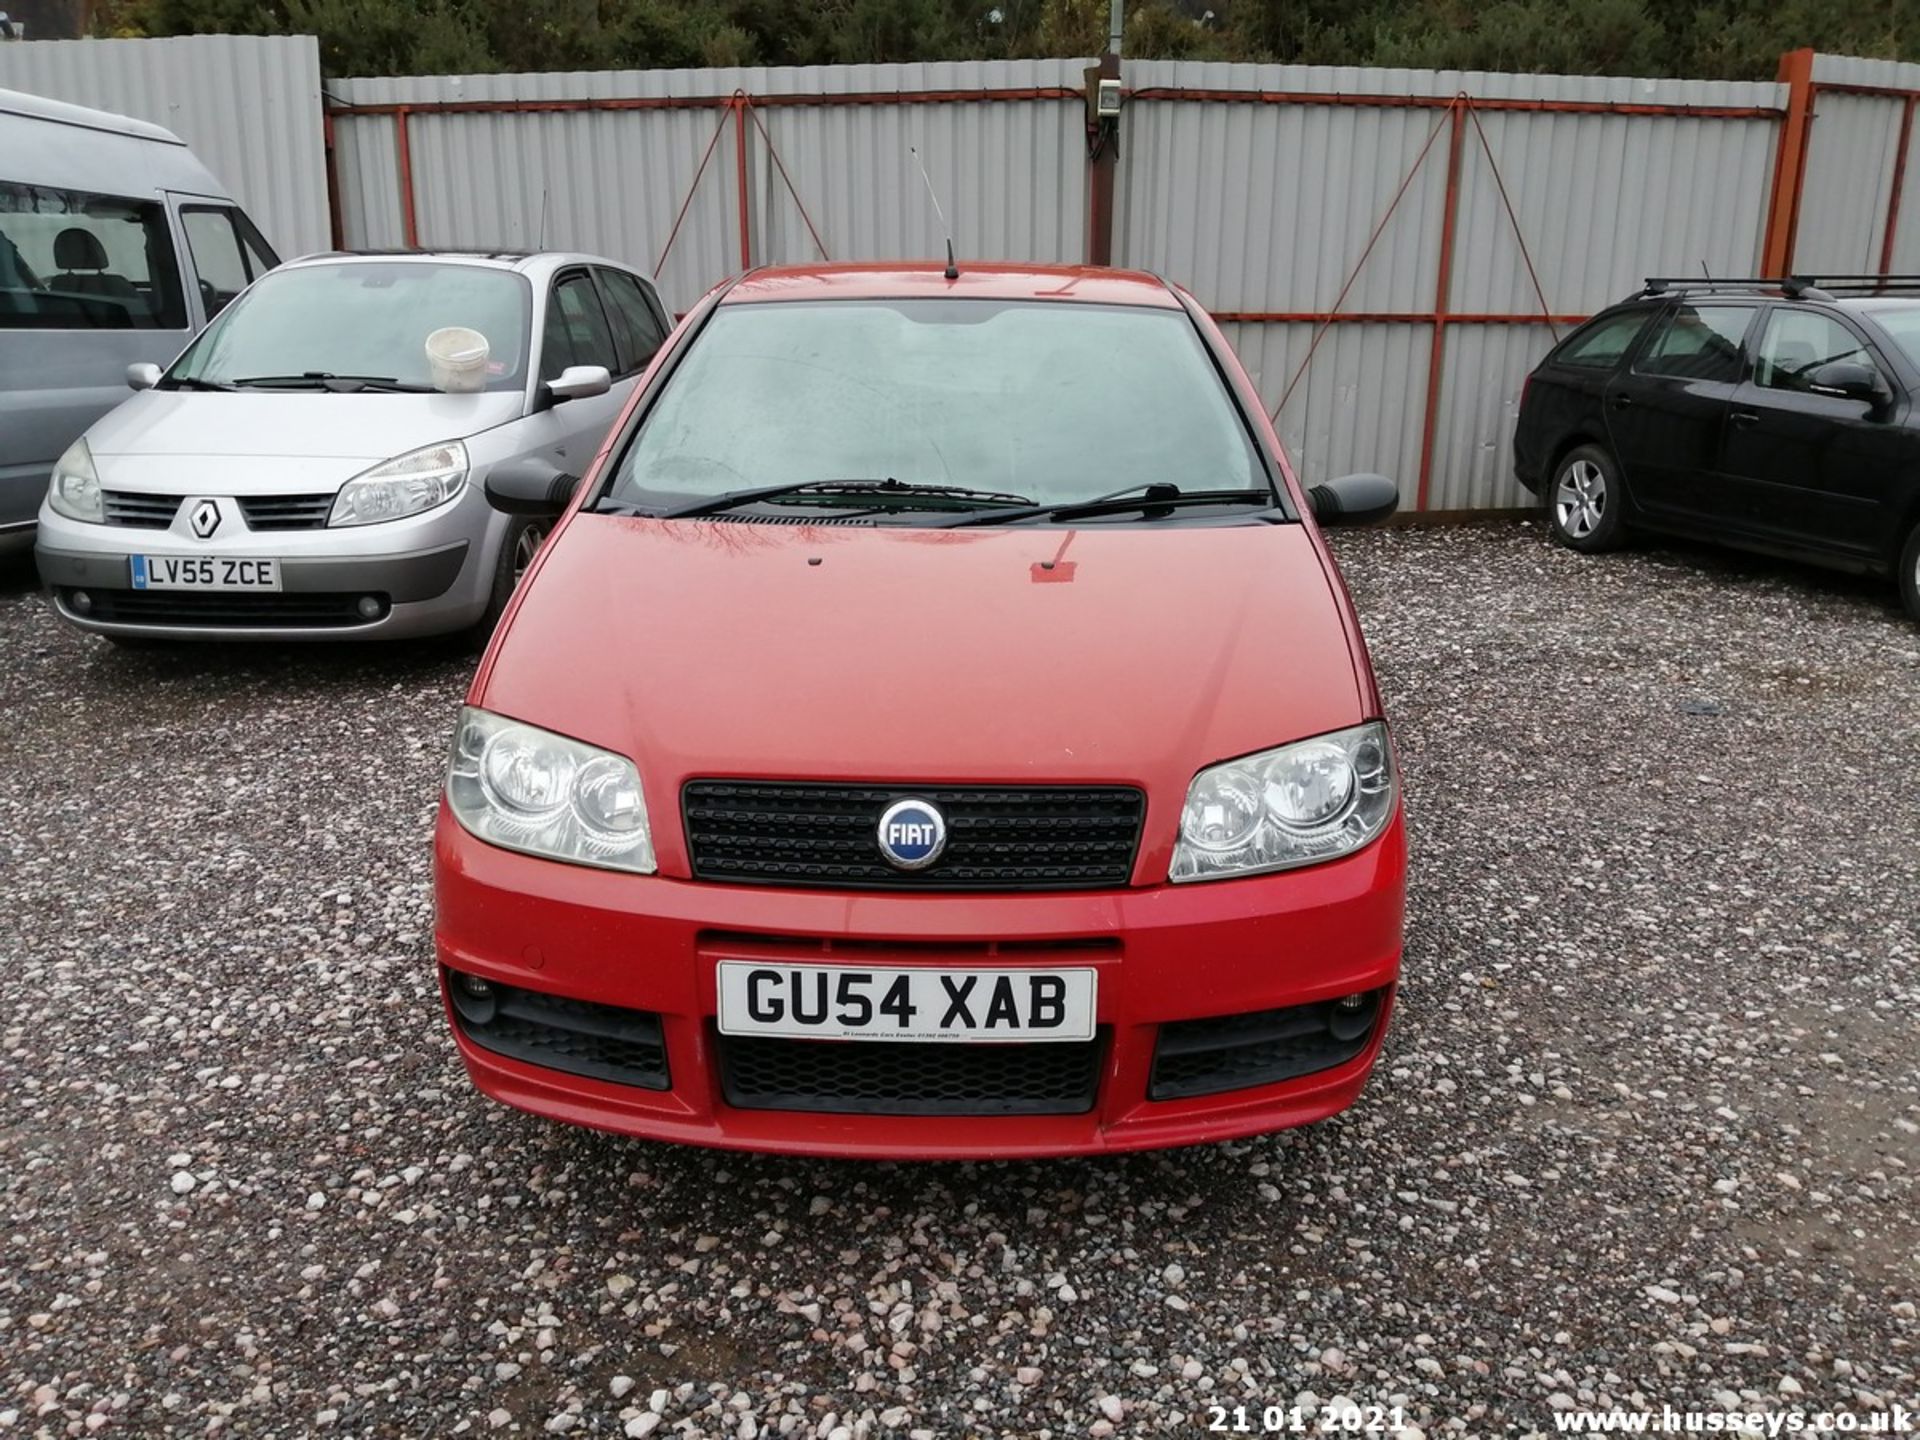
<point x="517" y="549"/>
<point x="1583" y="500"/>
<point x="1910" y="573"/>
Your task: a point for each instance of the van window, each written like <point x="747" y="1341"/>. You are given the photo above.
<point x="226" y="258"/>
<point x="70" y="260"/>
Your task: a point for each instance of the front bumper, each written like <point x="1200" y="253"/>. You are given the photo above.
<point x="1164" y="954"/>
<point x="428" y="575"/>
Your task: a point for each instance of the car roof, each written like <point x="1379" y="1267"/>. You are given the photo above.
<point x="38" y="107"/>
<point x="528" y="261"/>
<point x="977" y="281"/>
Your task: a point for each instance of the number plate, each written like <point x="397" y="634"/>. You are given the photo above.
<point x="829" y="1002"/>
<point x="204" y="572"/>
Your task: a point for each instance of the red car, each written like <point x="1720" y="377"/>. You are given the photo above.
<point x="935" y="727"/>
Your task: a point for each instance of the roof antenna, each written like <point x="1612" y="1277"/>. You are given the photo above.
<point x="953" y="270"/>
<point x="543" y="219"/>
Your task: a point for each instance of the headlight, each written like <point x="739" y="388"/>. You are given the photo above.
<point x="402" y="486"/>
<point x="528" y="789"/>
<point x="1297" y="805"/>
<point x="74" y="490"/>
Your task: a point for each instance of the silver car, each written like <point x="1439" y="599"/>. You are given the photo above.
<point x="313" y="465"/>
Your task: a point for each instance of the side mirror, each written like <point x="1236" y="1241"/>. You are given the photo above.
<point x="1354" y="500"/>
<point x="577" y="382"/>
<point x="529" y="486"/>
<point x="1848" y="380"/>
<point x="143" y="375"/>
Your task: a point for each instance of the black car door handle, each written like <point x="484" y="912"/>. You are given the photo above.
<point x="1744" y="418"/>
<point x="1620" y="402"/>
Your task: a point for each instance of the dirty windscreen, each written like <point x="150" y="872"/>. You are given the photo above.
<point x="364" y="318"/>
<point x="1057" y="401"/>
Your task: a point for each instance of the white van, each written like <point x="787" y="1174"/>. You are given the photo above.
<point x="116" y="246"/>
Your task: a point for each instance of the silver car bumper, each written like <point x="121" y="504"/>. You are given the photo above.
<point x="425" y="576"/>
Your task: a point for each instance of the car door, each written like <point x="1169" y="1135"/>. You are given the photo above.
<point x="1813" y="469"/>
<point x="638" y="329"/>
<point x="574" y="331"/>
<point x="225" y="253"/>
<point x="1665" y="411"/>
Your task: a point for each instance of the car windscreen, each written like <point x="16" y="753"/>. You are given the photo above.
<point x="364" y="318"/>
<point x="1053" y="401"/>
<point x="1901" y="322"/>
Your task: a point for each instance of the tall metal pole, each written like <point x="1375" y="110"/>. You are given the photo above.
<point x="1103" y="138"/>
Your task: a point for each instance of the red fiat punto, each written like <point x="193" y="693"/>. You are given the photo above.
<point x="935" y="727"/>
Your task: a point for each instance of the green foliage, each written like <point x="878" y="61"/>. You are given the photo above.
<point x="1718" y="39"/>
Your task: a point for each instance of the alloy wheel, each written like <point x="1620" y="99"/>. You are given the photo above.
<point x="525" y="546"/>
<point x="1580" y="499"/>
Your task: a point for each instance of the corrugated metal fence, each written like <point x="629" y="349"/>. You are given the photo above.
<point x="1422" y="236"/>
<point x="249" y="105"/>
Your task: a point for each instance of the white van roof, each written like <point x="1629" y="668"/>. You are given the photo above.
<point x="18" y="102"/>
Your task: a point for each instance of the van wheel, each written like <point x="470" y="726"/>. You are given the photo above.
<point x="1910" y="573"/>
<point x="1584" y="501"/>
<point x="517" y="549"/>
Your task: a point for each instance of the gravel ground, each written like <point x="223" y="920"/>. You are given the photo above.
<point x="1645" y="1132"/>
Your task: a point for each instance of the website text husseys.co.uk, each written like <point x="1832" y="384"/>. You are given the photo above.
<point x="1668" y="1421"/>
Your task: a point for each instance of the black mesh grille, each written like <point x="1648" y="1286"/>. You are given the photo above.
<point x="998" y="837"/>
<point x="233" y="609"/>
<point x="144" y="512"/>
<point x="1236" y="1052"/>
<point x="286" y="512"/>
<point x="878" y="1077"/>
<point x="604" y="1042"/>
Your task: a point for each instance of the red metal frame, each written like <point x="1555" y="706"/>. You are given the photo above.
<point x="1899" y="180"/>
<point x="1436" y="362"/>
<point x="403" y="161"/>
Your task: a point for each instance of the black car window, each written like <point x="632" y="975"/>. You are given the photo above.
<point x="1797" y="343"/>
<point x="1697" y="343"/>
<point x="577" y="331"/>
<point x="639" y="332"/>
<point x="1600" y="345"/>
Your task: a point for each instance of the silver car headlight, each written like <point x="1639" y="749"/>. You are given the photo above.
<point x="528" y="789"/>
<point x="1297" y="805"/>
<point x="74" y="489"/>
<point x="405" y="485"/>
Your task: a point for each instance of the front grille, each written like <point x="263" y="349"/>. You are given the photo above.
<point x="603" y="1042"/>
<point x="998" y="837"/>
<point x="894" y="1077"/>
<point x="286" y="512"/>
<point x="216" y="609"/>
<point x="1236" y="1052"/>
<point x="144" y="512"/>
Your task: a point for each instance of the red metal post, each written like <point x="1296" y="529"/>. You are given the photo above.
<point x="740" y="175"/>
<point x="1789" y="163"/>
<point x="403" y="158"/>
<point x="1899" y="179"/>
<point x="1436" y="360"/>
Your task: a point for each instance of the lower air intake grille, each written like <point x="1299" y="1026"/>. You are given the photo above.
<point x="227" y="610"/>
<point x="286" y="512"/>
<point x="1237" y="1052"/>
<point x="1002" y="837"/>
<point x="144" y="512"/>
<point x="883" y="1077"/>
<point x="603" y="1042"/>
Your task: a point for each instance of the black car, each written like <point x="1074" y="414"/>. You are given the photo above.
<point x="1778" y="416"/>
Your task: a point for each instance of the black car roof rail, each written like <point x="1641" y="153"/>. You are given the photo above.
<point x="1794" y="287"/>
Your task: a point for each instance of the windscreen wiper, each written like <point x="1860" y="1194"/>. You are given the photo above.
<point x="944" y="496"/>
<point x="1153" y="500"/>
<point x="185" y="382"/>
<point x="327" y="380"/>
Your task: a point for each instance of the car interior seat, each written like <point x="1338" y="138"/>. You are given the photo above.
<point x="83" y="267"/>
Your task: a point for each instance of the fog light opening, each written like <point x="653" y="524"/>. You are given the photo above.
<point x="1352" y="1016"/>
<point x="475" y="1000"/>
<point x="81" y="601"/>
<point x="369" y="608"/>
